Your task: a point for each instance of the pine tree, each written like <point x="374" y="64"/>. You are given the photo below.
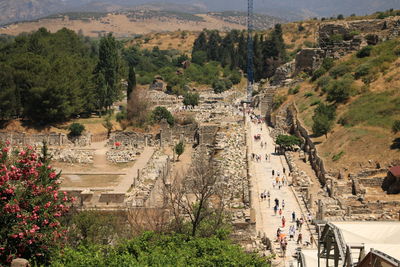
<point x="131" y="82"/>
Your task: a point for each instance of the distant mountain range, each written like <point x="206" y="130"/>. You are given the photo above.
<point x="19" y="10"/>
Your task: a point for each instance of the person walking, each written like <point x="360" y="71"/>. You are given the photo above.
<point x="284" y="247"/>
<point x="273" y="172"/>
<point x="280" y="212"/>
<point x="292" y="232"/>
<point x="300" y="239"/>
<point x="276" y="202"/>
<point x="283" y="221"/>
<point x="293" y="216"/>
<point x="275" y="209"/>
<point x="283" y="204"/>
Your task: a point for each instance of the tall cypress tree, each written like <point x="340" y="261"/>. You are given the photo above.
<point x="109" y="65"/>
<point x="200" y="44"/>
<point x="213" y="46"/>
<point x="131" y="82"/>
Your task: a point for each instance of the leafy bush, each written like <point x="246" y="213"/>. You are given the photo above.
<point x="316" y="102"/>
<point x="161" y="113"/>
<point x="396" y="126"/>
<point x="179" y="149"/>
<point x="364" y="52"/>
<point x="328" y="63"/>
<point x="318" y="73"/>
<point x="191" y="99"/>
<point x="235" y="77"/>
<point x="219" y="86"/>
<point x="340" y="70"/>
<point x="287" y="141"/>
<point x="122" y="115"/>
<point x="153" y="249"/>
<point x="278" y="101"/>
<point x="323" y="83"/>
<point x="338" y="156"/>
<point x="308" y="94"/>
<point x="340" y="90"/>
<point x="336" y="38"/>
<point x="76" y="129"/>
<point x="295" y="90"/>
<point x="362" y="70"/>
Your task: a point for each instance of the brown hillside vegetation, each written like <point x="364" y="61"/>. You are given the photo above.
<point x="362" y="134"/>
<point x="121" y="25"/>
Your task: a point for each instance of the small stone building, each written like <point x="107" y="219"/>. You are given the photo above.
<point x="391" y="184"/>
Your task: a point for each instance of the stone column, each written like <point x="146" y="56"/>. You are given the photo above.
<point x="310" y="201"/>
<point x="348" y="211"/>
<point x="182" y="137"/>
<point x="145" y="140"/>
<point x="161" y="137"/>
<point x="321" y="210"/>
<point x="332" y="188"/>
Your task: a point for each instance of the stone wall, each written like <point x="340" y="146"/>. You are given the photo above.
<point x="167" y="135"/>
<point x="356" y="34"/>
<point x="23" y="139"/>
<point x="52" y="139"/>
<point x="308" y="60"/>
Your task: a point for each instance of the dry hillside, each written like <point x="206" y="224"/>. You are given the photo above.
<point x="362" y="133"/>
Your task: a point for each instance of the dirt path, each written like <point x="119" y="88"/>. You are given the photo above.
<point x="140" y="163"/>
<point x="262" y="181"/>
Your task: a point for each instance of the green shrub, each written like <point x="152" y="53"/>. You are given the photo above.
<point x="160" y="113"/>
<point x="179" y="149"/>
<point x="316" y="102"/>
<point x="340" y="90"/>
<point x="309" y="44"/>
<point x="318" y="73"/>
<point x="336" y="38"/>
<point x="219" y="86"/>
<point x="362" y="70"/>
<point x="338" y="156"/>
<point x="340" y="70"/>
<point x="154" y="249"/>
<point x="278" y="101"/>
<point x="235" y="77"/>
<point x="323" y="83"/>
<point x="364" y="52"/>
<point x="76" y="129"/>
<point x="295" y="90"/>
<point x="396" y="126"/>
<point x="328" y="63"/>
<point x="308" y="94"/>
<point x="191" y="99"/>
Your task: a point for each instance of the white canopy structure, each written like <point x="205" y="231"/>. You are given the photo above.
<point x="347" y="244"/>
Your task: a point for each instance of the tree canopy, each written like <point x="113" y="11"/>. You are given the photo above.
<point x="287" y="141"/>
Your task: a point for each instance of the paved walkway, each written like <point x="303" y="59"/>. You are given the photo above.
<point x="262" y="181"/>
<point x="141" y="162"/>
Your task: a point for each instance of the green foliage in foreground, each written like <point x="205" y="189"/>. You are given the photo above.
<point x="152" y="249"/>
